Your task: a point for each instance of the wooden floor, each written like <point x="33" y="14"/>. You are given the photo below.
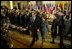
<point x="21" y="40"/>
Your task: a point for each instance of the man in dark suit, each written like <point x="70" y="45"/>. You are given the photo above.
<point x="12" y="15"/>
<point x="54" y="29"/>
<point x="60" y="28"/>
<point x="27" y="24"/>
<point x="34" y="26"/>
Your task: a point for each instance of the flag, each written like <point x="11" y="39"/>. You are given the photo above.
<point x="43" y="8"/>
<point x="48" y="6"/>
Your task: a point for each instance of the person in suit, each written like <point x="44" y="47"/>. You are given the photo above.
<point x="15" y="17"/>
<point x="54" y="30"/>
<point x="23" y="17"/>
<point x="60" y="27"/>
<point x="34" y="26"/>
<point x="43" y="28"/>
<point x="13" y="13"/>
<point x="27" y="24"/>
<point x="6" y="11"/>
<point x="18" y="19"/>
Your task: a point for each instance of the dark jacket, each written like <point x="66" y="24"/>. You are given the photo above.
<point x="60" y="25"/>
<point x="54" y="26"/>
<point x="35" y="24"/>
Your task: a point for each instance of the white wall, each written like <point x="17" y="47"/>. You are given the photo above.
<point x="48" y="2"/>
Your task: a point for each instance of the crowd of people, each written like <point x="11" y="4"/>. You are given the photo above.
<point x="37" y="20"/>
